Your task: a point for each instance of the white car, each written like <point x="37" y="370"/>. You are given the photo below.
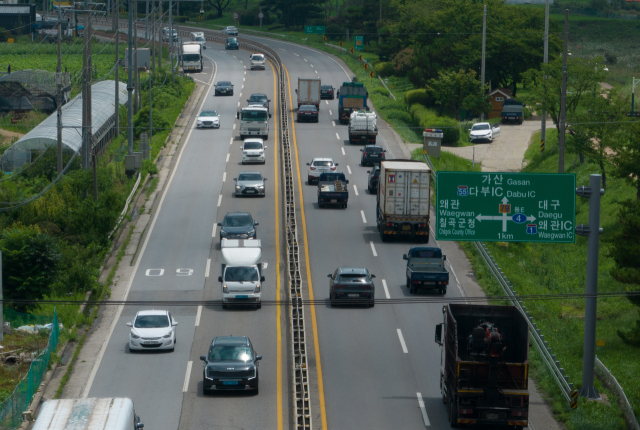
<point x="208" y="118"/>
<point x="152" y="330"/>
<point x="230" y="31"/>
<point x="253" y="151"/>
<point x="484" y="131"/>
<point x="258" y="61"/>
<point x="319" y="166"/>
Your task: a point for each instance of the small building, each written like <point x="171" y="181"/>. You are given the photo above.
<point x="18" y="18"/>
<point x="497" y="98"/>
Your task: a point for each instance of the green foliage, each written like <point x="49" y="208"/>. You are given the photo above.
<point x="402" y="61"/>
<point x="420" y="96"/>
<point x="626" y="250"/>
<point x="250" y="16"/>
<point x="384" y="69"/>
<point x="626" y="159"/>
<point x="380" y="90"/>
<point x="427" y="118"/>
<point x="295" y="13"/>
<point x="458" y="90"/>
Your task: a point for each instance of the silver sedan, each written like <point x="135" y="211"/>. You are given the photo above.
<point x="250" y="184"/>
<point x="208" y="118"/>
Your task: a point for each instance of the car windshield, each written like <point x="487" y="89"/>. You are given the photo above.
<point x="352" y="277"/>
<point x="480" y="127"/>
<point x="241" y="274"/>
<point x="250" y="177"/>
<point x="254" y="115"/>
<point x="425" y="253"/>
<point x="224" y="84"/>
<point x="257" y="58"/>
<point x="199" y="39"/>
<point x="325" y="87"/>
<point x="230" y="353"/>
<point x="237" y="221"/>
<point x="252" y="145"/>
<point x="322" y="163"/>
<point x="255" y="98"/>
<point x="152" y="321"/>
<point x="232" y="40"/>
<point x="308" y="108"/>
<point x="375" y="173"/>
<point x="208" y="113"/>
<point x="191" y="57"/>
<point x="373" y="149"/>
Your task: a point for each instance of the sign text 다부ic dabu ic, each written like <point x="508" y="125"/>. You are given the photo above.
<point x="505" y="207"/>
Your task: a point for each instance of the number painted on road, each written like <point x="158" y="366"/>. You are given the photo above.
<point x="154" y="272"/>
<point x="184" y="272"/>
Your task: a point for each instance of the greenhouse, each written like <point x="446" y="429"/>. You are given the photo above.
<point x="45" y="133"/>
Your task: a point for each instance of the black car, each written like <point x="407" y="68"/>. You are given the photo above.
<point x="326" y="92"/>
<point x="307" y="113"/>
<point x="238" y="225"/>
<point x="372" y="154"/>
<point x="259" y="99"/>
<point x="352" y="283"/>
<point x="374" y="176"/>
<point x="230" y="364"/>
<point x="231" y="43"/>
<point x="224" y="88"/>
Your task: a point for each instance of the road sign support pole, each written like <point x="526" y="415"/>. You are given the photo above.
<point x="594" y="192"/>
<point x="543" y="126"/>
<point x="130" y="83"/>
<point x="563" y="97"/>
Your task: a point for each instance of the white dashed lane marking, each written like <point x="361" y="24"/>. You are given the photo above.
<point x="386" y="290"/>
<point x="404" y="345"/>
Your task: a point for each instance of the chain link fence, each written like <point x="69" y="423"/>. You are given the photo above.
<point x="12" y="408"/>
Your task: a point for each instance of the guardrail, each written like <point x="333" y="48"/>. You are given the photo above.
<point x="611" y="380"/>
<point x="542" y="345"/>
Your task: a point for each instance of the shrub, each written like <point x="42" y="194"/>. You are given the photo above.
<point x="380" y="90"/>
<point x="334" y="31"/>
<point x="420" y="96"/>
<point x="428" y="118"/>
<point x="399" y="115"/>
<point x="250" y="17"/>
<point x="384" y="69"/>
<point x="611" y="58"/>
<point x="402" y="61"/>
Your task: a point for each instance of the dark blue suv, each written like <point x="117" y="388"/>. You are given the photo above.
<point x="231" y="43"/>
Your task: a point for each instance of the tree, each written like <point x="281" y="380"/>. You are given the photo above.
<point x="457" y="90"/>
<point x="219" y="5"/>
<point x="296" y="12"/>
<point x="627" y="157"/>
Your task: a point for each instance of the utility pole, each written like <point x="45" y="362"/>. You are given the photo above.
<point x="173" y="77"/>
<point x="543" y="128"/>
<point x="592" y="230"/>
<point x="153" y="37"/>
<point x="380" y="10"/>
<point x="484" y="44"/>
<point x="85" y="95"/>
<point x="150" y="109"/>
<point x="59" y="82"/>
<point x="117" y="74"/>
<point x="146" y="23"/>
<point x="130" y="84"/>
<point x="563" y="98"/>
<point x="114" y="17"/>
<point x="136" y="74"/>
<point x="160" y="36"/>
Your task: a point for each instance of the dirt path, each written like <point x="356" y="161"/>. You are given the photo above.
<point x="6" y="136"/>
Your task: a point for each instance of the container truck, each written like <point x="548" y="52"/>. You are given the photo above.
<point x="352" y="96"/>
<point x="363" y="128"/>
<point x="191" y="57"/>
<point x="484" y="366"/>
<point x="308" y="92"/>
<point x="402" y="207"/>
<point x="90" y="413"/>
<point x="242" y="272"/>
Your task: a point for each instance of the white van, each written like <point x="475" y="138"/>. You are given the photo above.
<point x="242" y="272"/>
<point x="198" y="37"/>
<point x="91" y="413"/>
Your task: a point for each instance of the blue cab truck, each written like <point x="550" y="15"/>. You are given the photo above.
<point x="332" y="190"/>
<point x="512" y="111"/>
<point x="352" y="96"/>
<point x="425" y="269"/>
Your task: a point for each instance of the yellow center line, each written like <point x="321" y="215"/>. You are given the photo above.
<point x="316" y="343"/>
<point x="278" y="327"/>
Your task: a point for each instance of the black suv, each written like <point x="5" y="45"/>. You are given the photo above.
<point x="238" y="225"/>
<point x="231" y="43"/>
<point x="326" y="92"/>
<point x="224" y="87"/>
<point x="259" y="99"/>
<point x="352" y="283"/>
<point x="230" y="364"/>
<point x="372" y="154"/>
<point x="374" y="177"/>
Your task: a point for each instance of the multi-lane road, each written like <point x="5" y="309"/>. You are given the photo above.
<point x="371" y="367"/>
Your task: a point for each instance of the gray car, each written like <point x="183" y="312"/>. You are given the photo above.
<point x="250" y="184"/>
<point x="355" y="284"/>
<point x="230" y="364"/>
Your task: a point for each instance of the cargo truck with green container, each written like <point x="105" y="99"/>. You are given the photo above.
<point x="352" y="96"/>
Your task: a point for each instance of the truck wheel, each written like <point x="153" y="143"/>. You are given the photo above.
<point x="383" y="237"/>
<point x="408" y="283"/>
<point x="372" y="303"/>
<point x="224" y="306"/>
<point x="331" y="301"/>
<point x="412" y="290"/>
<point x="453" y="412"/>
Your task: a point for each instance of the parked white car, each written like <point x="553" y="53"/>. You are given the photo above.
<point x="258" y="61"/>
<point x="253" y="151"/>
<point x="484" y="131"/>
<point x="319" y="166"/>
<point x="154" y="329"/>
<point x="230" y="31"/>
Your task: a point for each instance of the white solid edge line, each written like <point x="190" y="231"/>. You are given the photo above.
<point x="224" y="176"/>
<point x="96" y="365"/>
<point x="219" y="200"/>
<point x="337" y="136"/>
<point x="355" y="189"/>
<point x="386" y="290"/>
<point x="206" y="271"/>
<point x="373" y="249"/>
<point x="349" y="169"/>
<point x="228" y="154"/>
<point x="198" y="315"/>
<point x="427" y="424"/>
<point x="215" y="228"/>
<point x="404" y="345"/>
<point x="364" y="220"/>
<point x="185" y="387"/>
<point x="343" y="153"/>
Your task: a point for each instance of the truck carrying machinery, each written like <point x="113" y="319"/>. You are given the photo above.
<point x="308" y="92"/>
<point x="402" y="207"/>
<point x="254" y="121"/>
<point x="425" y="269"/>
<point x="352" y="96"/>
<point x="485" y="363"/>
<point x="191" y="57"/>
<point x="363" y="127"/>
<point x="332" y="190"/>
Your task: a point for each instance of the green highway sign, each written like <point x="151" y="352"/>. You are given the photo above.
<point x="314" y="29"/>
<point x="358" y="43"/>
<point x="506" y="207"/>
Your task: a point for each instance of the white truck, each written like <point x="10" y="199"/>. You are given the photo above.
<point x="363" y="127"/>
<point x="242" y="272"/>
<point x="308" y="92"/>
<point x="89" y="413"/>
<point x="254" y="121"/>
<point x="403" y="200"/>
<point x="191" y="57"/>
<point x="198" y="37"/>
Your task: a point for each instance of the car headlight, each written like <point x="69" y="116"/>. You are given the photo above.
<point x="168" y="335"/>
<point x="225" y="289"/>
<point x="244" y="152"/>
<point x="134" y="336"/>
<point x="260" y="187"/>
<point x="223" y="233"/>
<point x="252" y="232"/>
<point x="258" y="288"/>
<point x="199" y="121"/>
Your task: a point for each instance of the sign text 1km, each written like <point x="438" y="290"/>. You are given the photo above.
<point x="506" y="207"/>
